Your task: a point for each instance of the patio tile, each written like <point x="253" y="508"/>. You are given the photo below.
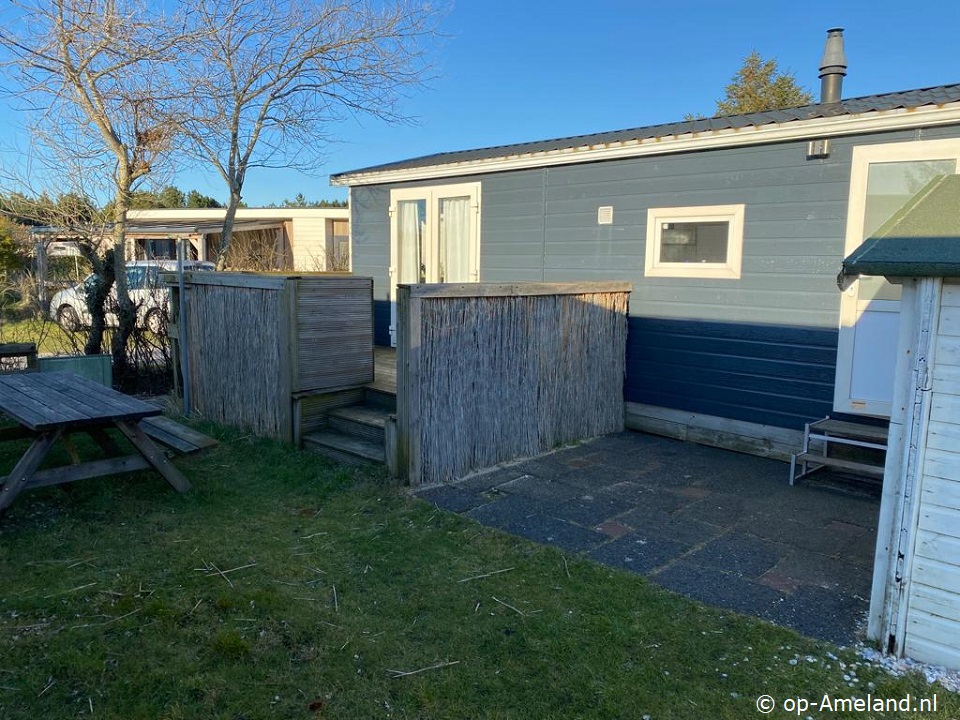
<point x="490" y="479"/>
<point x="546" y="466"/>
<point x="693" y="492"/>
<point x="828" y="614"/>
<point x="450" y="498"/>
<point x="595" y="477"/>
<point x="651" y="520"/>
<point x="738" y="554"/>
<point x="586" y="509"/>
<point x="717" y="588"/>
<point x="806" y="532"/>
<point x="641" y="495"/>
<point x="779" y="582"/>
<point x="825" y="572"/>
<point x="533" y="486"/>
<point x="638" y="553"/>
<point x="613" y="529"/>
<point x="550" y="531"/>
<point x="717" y="526"/>
<point x="723" y="509"/>
<point x="505" y="513"/>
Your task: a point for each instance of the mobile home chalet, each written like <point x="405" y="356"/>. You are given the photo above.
<point x="731" y="230"/>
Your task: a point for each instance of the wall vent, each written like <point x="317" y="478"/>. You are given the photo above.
<point x="605" y="215"/>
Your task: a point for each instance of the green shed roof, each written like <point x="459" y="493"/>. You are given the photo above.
<point x="921" y="240"/>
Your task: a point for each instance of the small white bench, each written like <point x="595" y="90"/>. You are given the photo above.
<point x="827" y="432"/>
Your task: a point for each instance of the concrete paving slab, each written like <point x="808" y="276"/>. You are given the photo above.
<point x="650" y="520"/>
<point x="641" y="494"/>
<point x="832" y="615"/>
<point x="717" y="526"/>
<point x="559" y="533"/>
<point x="718" y="508"/>
<point x="452" y="498"/>
<point x="637" y="553"/>
<point x="534" y="486"/>
<point x="587" y="510"/>
<point x="738" y="554"/>
<point x="825" y="572"/>
<point x="720" y="589"/>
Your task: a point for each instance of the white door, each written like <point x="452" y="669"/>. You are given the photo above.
<point x="883" y="179"/>
<point x="434" y="238"/>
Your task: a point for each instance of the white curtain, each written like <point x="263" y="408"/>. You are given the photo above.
<point x="455" y="239"/>
<point x="411" y="219"/>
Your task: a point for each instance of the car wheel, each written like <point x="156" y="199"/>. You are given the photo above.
<point x="155" y="321"/>
<point x="68" y="319"/>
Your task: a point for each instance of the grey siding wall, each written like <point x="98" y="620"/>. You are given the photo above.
<point x="541" y="224"/>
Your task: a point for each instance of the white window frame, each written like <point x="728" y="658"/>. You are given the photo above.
<point x="730" y="270"/>
<point x="850" y="307"/>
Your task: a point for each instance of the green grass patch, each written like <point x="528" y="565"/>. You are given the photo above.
<point x="284" y="586"/>
<point x="49" y="337"/>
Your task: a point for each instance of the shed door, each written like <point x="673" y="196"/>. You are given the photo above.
<point x="883" y="179"/>
<point x="434" y="238"/>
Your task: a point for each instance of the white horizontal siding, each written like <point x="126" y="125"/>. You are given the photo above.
<point x="939" y="547"/>
<point x="930" y="640"/>
<point x="948" y="353"/>
<point x="943" y="435"/>
<point x="933" y="601"/>
<point x="943" y="493"/>
<point x="933" y="625"/>
<point x="309" y="244"/>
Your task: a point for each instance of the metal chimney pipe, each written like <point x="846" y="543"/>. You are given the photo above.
<point x="833" y="66"/>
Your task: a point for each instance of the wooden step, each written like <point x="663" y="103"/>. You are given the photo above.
<point x="850" y="466"/>
<point x="380" y="397"/>
<point x="345" y="448"/>
<point x="844" y="428"/>
<point x="359" y="420"/>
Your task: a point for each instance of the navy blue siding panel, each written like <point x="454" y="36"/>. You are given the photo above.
<point x="767" y="374"/>
<point x="381" y="322"/>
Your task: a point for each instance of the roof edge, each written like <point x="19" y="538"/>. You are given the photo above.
<point x="815" y="128"/>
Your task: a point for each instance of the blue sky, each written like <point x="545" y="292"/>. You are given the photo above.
<point x="512" y="71"/>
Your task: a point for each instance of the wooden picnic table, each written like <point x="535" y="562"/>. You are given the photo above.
<point x="53" y="406"/>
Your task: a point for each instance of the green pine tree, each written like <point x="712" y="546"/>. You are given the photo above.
<point x="758" y="86"/>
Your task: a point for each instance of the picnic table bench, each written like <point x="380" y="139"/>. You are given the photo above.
<point x="27" y="351"/>
<point x="52" y="406"/>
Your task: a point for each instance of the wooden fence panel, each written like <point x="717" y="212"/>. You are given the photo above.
<point x="261" y="346"/>
<point x="489" y="373"/>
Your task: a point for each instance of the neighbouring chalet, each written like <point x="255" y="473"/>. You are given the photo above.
<point x="304" y="239"/>
<point x="288" y="239"/>
<point x="730" y="229"/>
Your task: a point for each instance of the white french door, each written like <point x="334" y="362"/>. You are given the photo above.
<point x="883" y="179"/>
<point x="434" y="238"/>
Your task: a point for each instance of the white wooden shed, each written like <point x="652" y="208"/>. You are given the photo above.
<point x="915" y="601"/>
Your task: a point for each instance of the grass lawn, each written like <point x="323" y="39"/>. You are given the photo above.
<point x="284" y="586"/>
<point x="49" y="337"/>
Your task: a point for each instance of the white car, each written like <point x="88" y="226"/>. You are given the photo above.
<point x="69" y="307"/>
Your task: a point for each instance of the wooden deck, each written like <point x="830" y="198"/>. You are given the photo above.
<point x="385" y="370"/>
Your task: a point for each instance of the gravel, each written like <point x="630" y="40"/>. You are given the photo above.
<point x="950" y="679"/>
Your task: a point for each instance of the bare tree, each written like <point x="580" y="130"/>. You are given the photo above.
<point x="95" y="74"/>
<point x="275" y="74"/>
